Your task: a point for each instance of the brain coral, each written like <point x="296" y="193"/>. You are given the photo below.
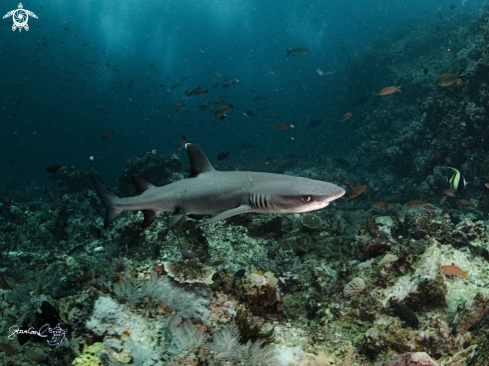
<point x="355" y="287"/>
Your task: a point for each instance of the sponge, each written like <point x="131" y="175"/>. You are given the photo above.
<point x="89" y="356"/>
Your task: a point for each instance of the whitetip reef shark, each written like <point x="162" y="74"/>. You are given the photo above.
<point x="208" y="191"/>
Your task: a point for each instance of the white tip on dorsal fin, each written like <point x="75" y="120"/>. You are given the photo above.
<point x="198" y="161"/>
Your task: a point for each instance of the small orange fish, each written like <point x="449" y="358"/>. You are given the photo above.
<point x="416" y="203"/>
<point x="450" y="192"/>
<point x="223" y="110"/>
<point x="281" y="126"/>
<point x="443" y="199"/>
<point x="381" y="204"/>
<point x="390" y="90"/>
<point x="444" y="212"/>
<point x="105" y="136"/>
<point x="358" y="190"/>
<point x="346" y="116"/>
<point x="452" y="270"/>
<point x="158" y="268"/>
<point x="197" y="91"/>
<point x="465" y="202"/>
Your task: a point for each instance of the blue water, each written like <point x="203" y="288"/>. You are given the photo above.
<point x="64" y="83"/>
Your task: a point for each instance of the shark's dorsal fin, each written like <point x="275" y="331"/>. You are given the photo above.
<point x="141" y="185"/>
<point x="198" y="161"/>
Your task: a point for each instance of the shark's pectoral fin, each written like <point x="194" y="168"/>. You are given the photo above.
<point x="149" y="217"/>
<point x="141" y="185"/>
<point x="195" y="217"/>
<point x="228" y="213"/>
<point x="177" y="218"/>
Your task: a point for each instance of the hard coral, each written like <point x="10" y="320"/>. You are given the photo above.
<point x="311" y="221"/>
<point x="468" y="231"/>
<point x="261" y="290"/>
<point x="355" y="287"/>
<point x="189" y="271"/>
<point x="439" y="228"/>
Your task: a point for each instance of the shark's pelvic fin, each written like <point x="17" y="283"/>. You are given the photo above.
<point x="177" y="218"/>
<point x="141" y="185"/>
<point x="228" y="213"/>
<point x="149" y="217"/>
<point x="108" y="199"/>
<point x="198" y="161"/>
<point x="196" y="217"/>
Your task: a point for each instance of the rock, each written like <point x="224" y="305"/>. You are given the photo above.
<point x="354" y="287"/>
<point x="412" y="359"/>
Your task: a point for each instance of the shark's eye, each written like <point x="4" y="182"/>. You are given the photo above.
<point x="307" y="198"/>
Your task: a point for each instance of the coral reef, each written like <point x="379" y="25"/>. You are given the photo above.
<point x="189" y="271"/>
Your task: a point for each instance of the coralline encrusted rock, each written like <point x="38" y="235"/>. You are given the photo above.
<point x="156" y="169"/>
<point x="311" y="221"/>
<point x="355" y="287"/>
<point x="189" y="271"/>
<point x="439" y="228"/>
<point x="412" y="359"/>
<point x="261" y="288"/>
<point x="472" y="312"/>
<point x="471" y="232"/>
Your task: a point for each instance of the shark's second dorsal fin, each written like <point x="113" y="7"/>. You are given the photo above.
<point x="198" y="161"/>
<point x="141" y="185"/>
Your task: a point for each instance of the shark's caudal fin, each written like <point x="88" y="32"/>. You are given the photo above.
<point x="108" y="199"/>
<point x="198" y="161"/>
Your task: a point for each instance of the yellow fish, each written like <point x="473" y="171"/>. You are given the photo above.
<point x="390" y="90"/>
